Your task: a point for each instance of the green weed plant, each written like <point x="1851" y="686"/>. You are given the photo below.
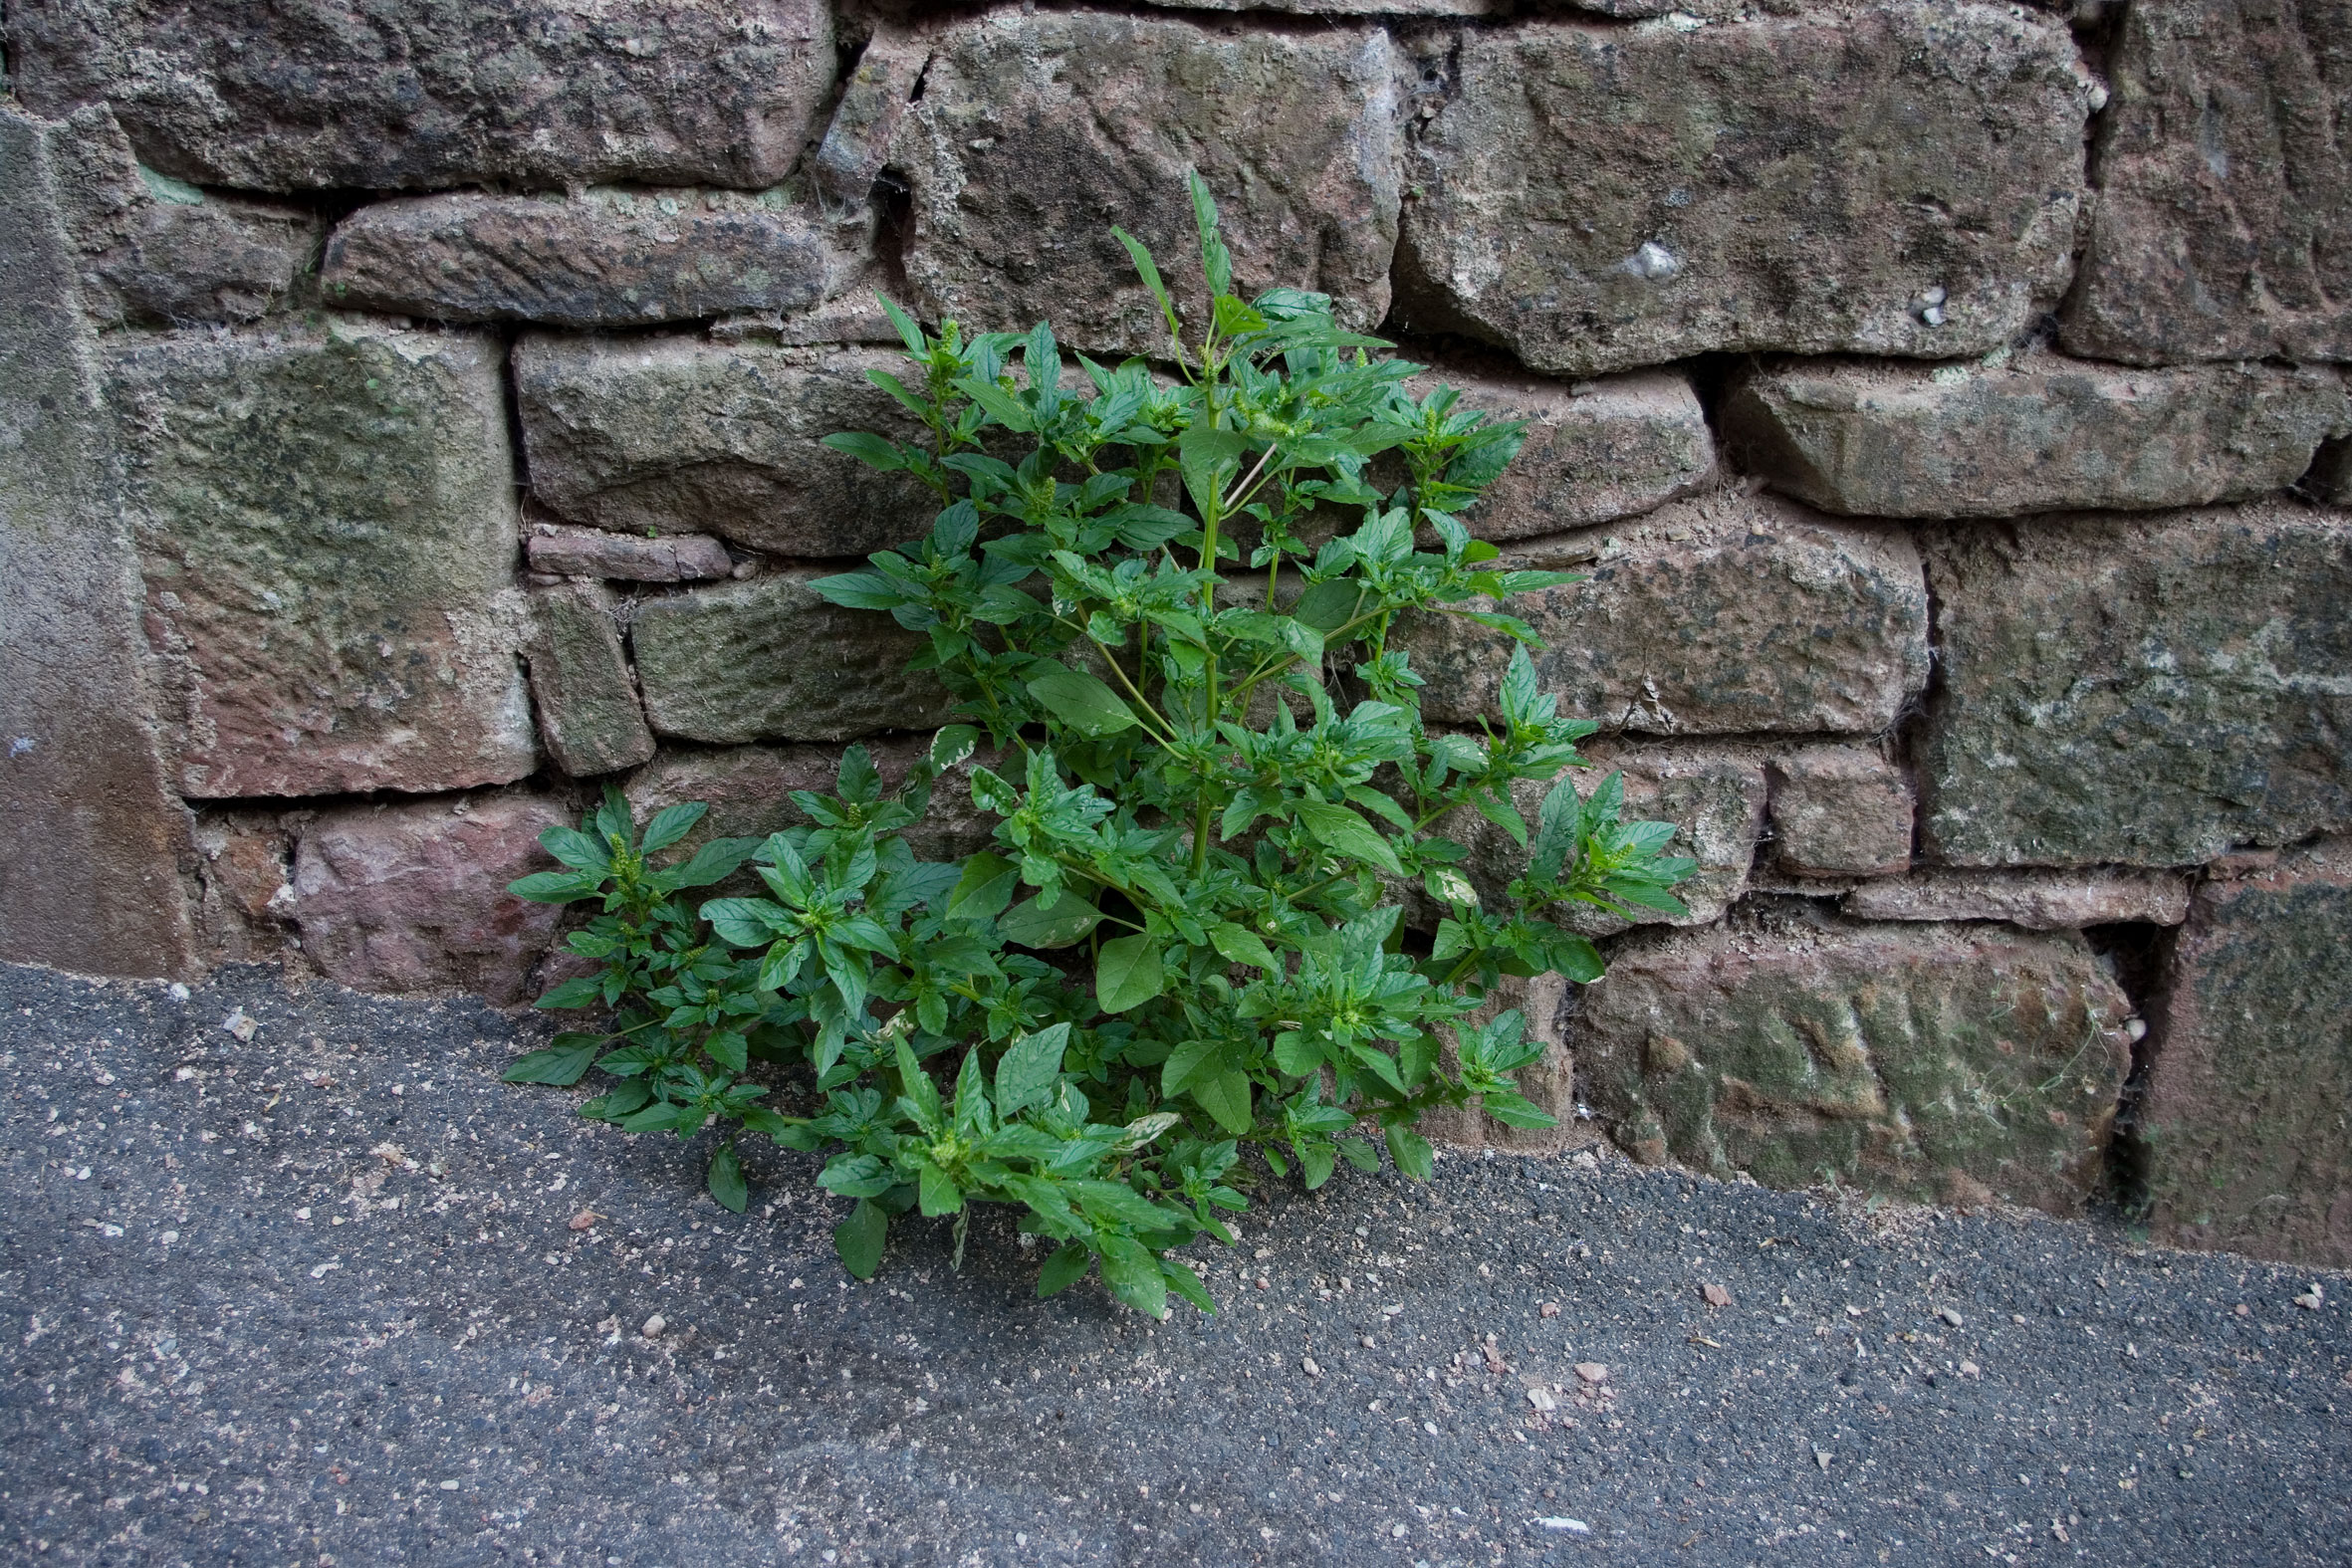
<point x="1213" y="797"/>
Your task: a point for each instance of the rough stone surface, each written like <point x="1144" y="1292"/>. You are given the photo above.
<point x="631" y="558"/>
<point x="1597" y="197"/>
<point x="245" y="885"/>
<point x="326" y="522"/>
<point x="680" y="435"/>
<point x="2144" y="691"/>
<point x="91" y="840"/>
<point x="1840" y="810"/>
<point x="2244" y="1132"/>
<point x="768" y="660"/>
<point x="1918" y="1063"/>
<point x="401" y="898"/>
<point x="1595" y="450"/>
<point x="588" y="713"/>
<point x="2222" y="228"/>
<point x="1714" y="796"/>
<point x="159" y="251"/>
<point x="411" y="93"/>
<point x="1037" y="133"/>
<point x="749" y="792"/>
<point x="604" y="258"/>
<point x="2037" y="900"/>
<point x="1719" y="615"/>
<point x="2036" y="434"/>
<point x="874" y="100"/>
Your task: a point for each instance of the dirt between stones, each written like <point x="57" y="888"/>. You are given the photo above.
<point x="317" y="1286"/>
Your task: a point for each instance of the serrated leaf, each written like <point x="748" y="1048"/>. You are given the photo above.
<point x="858" y="1239"/>
<point x="938" y="1193"/>
<point x="1127" y="973"/>
<point x="556" y="887"/>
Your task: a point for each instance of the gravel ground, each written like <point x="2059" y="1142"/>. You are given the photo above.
<point x="315" y="1296"/>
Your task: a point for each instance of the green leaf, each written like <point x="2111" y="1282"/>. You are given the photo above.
<point x="577" y="851"/>
<point x="952" y="745"/>
<point x="1187" y="1284"/>
<point x="871" y="450"/>
<point x="1081" y="701"/>
<point x="1187" y="1063"/>
<point x="1412" y="1153"/>
<point x="1127" y="973"/>
<point x="727" y="1049"/>
<point x="1514" y="1110"/>
<point x="1065" y="1267"/>
<point x="1134" y="1276"/>
<point x="1070" y="918"/>
<point x="1226" y="1097"/>
<point x="860" y="1238"/>
<point x="1359" y="1153"/>
<point x="715" y="861"/>
<point x="726" y="1179"/>
<point x="909" y="333"/>
<point x="1205" y="458"/>
<point x="940" y="1195"/>
<point x="1239" y="945"/>
<point x="986" y="887"/>
<point x="1030" y="1070"/>
<point x="581" y="990"/>
<point x="744" y="922"/>
<point x="556" y="887"/>
<point x="562" y="1064"/>
<point x="1316" y="1161"/>
<point x="671" y="823"/>
<point x="1343" y="833"/>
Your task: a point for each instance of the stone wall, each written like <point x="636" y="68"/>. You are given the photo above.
<point x="411" y="421"/>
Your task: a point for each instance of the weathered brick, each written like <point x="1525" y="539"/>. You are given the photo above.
<point x="156" y="250"/>
<point x="92" y="842"/>
<point x="2222" y="228"/>
<point x="2036" y="434"/>
<point x="2145" y="691"/>
<point x="1918" y="1063"/>
<point x="631" y="558"/>
<point x="768" y="660"/>
<point x="680" y="435"/>
<point x="2245" y="1136"/>
<point x="1840" y="810"/>
<point x="413" y="897"/>
<point x="604" y="258"/>
<point x="327" y="523"/>
<point x="1595" y="450"/>
<point x="418" y="94"/>
<point x="1724" y="614"/>
<point x="1895" y="180"/>
<point x="1037" y="132"/>
<point x="2037" y="900"/>
<point x="588" y="713"/>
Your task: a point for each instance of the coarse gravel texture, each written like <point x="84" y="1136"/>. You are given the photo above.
<point x="315" y="1297"/>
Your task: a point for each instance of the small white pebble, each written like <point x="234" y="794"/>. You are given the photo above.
<point x="654" y="1326"/>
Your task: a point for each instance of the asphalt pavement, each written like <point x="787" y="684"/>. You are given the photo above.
<point x="288" y="1276"/>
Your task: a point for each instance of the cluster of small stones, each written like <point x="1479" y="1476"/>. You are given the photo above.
<point x="411" y="419"/>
